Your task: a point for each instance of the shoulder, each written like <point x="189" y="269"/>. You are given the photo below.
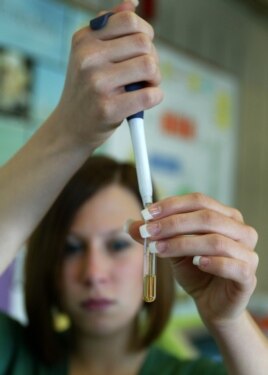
<point x="17" y="357"/>
<point x="159" y="361"/>
<point x="10" y="336"/>
<point x="8" y="323"/>
<point x="10" y="330"/>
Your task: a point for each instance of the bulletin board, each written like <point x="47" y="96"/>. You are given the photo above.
<point x="192" y="134"/>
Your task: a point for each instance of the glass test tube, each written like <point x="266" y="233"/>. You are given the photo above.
<point x="149" y="274"/>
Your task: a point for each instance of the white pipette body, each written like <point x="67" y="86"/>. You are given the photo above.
<point x="136" y="126"/>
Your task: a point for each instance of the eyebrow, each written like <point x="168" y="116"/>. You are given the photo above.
<point x="111" y="232"/>
<point x="119" y="231"/>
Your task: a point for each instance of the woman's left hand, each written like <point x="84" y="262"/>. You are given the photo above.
<point x="196" y="228"/>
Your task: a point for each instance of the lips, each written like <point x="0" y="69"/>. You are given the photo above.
<point x="97" y="304"/>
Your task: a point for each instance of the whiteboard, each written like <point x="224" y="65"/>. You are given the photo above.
<point x="192" y="135"/>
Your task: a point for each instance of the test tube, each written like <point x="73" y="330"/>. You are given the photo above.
<point x="149" y="274"/>
<point x="149" y="277"/>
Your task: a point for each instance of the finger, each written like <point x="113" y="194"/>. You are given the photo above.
<point x="128" y="47"/>
<point x="94" y="54"/>
<point x="125" y="104"/>
<point x="189" y="203"/>
<point x="114" y="110"/>
<point x="203" y="245"/>
<point x="113" y="30"/>
<point x="121" y="24"/>
<point x="239" y="271"/>
<point x="119" y="75"/>
<point x="203" y="221"/>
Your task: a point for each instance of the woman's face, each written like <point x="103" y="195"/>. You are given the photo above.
<point x="101" y="284"/>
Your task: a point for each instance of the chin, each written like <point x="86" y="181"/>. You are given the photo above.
<point x="103" y="326"/>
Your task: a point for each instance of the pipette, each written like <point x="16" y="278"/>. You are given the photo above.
<point x="136" y="126"/>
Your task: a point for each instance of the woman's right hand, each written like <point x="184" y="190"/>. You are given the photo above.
<point x="101" y="64"/>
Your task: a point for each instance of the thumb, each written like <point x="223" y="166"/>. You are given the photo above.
<point x="126" y="5"/>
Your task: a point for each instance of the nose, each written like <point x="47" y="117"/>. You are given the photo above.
<point x="95" y="268"/>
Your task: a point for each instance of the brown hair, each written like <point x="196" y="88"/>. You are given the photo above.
<point x="45" y="252"/>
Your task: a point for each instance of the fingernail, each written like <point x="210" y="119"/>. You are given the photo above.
<point x="196" y="260"/>
<point x="148" y="230"/>
<point x="157" y="247"/>
<point x="152" y="247"/>
<point x="200" y="261"/>
<point x="127" y="225"/>
<point x="151" y="212"/>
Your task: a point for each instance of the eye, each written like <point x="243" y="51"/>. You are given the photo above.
<point x="73" y="246"/>
<point x="118" y="244"/>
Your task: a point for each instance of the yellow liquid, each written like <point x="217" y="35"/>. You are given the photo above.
<point x="149" y="288"/>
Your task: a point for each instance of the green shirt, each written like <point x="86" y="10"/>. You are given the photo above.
<point x="16" y="358"/>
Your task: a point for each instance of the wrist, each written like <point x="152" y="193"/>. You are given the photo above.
<point x="223" y="327"/>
